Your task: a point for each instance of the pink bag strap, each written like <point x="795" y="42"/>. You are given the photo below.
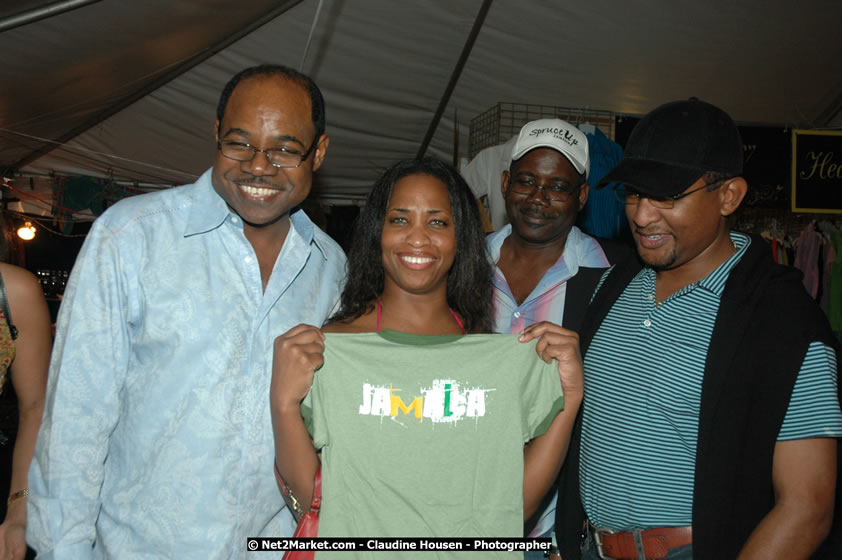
<point x="317" y="491"/>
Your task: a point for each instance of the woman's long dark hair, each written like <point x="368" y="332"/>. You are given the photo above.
<point x="469" y="279"/>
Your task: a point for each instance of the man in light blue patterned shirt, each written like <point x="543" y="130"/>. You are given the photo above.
<point x="157" y="440"/>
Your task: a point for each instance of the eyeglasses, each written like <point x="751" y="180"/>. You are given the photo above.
<point x="632" y="198"/>
<point x="278" y="157"/>
<point x="557" y="192"/>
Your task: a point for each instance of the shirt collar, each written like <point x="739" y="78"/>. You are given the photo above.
<point x="495" y="240"/>
<point x="715" y="281"/>
<point x="208" y="210"/>
<point x="579" y="249"/>
<point x="301" y="224"/>
<point x="587" y="250"/>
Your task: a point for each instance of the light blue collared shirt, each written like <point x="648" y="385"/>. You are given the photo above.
<point x="546" y="302"/>
<point x="157" y="439"/>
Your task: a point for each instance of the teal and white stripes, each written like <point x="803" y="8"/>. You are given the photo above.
<point x="643" y="379"/>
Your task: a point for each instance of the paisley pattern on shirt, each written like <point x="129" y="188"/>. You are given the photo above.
<point x="157" y="438"/>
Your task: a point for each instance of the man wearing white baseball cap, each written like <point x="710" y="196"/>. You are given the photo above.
<point x="545" y="268"/>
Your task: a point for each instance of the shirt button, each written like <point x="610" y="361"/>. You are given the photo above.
<point x="248" y="260"/>
<point x="647" y="323"/>
<point x="234" y="220"/>
<point x="517" y="314"/>
<point x="650" y="297"/>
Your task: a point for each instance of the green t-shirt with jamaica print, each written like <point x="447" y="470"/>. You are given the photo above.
<point x="423" y="435"/>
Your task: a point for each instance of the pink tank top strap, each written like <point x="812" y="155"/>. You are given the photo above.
<point x="458" y="320"/>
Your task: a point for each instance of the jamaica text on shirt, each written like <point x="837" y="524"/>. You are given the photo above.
<point x="445" y="401"/>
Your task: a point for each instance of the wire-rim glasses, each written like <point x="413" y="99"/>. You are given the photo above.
<point x="284" y="158"/>
<point x="556" y="192"/>
<point x="632" y="198"/>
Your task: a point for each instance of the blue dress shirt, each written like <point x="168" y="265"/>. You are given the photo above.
<point x="157" y="438"/>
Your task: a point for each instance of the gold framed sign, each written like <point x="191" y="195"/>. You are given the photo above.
<point x="817" y="171"/>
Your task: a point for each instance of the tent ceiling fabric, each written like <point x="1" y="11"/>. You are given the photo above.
<point x="383" y="66"/>
<point x="64" y="71"/>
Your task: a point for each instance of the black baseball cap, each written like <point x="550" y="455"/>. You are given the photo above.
<point x="674" y="145"/>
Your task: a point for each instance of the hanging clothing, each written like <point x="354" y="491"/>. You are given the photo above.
<point x="834" y="291"/>
<point x="828" y="258"/>
<point x="603" y="215"/>
<point x="807" y="259"/>
<point x="484" y="175"/>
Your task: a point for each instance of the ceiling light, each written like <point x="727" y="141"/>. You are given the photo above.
<point x="27" y="231"/>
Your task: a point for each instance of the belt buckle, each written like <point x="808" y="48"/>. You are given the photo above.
<point x="597" y="539"/>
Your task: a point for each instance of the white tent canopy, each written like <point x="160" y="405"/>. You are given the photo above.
<point x="129" y="88"/>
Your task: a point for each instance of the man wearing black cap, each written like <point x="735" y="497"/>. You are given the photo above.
<point x="711" y="409"/>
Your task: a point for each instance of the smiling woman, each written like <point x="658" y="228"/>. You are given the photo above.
<point x="422" y="184"/>
<point x="460" y="408"/>
<point x="418" y="243"/>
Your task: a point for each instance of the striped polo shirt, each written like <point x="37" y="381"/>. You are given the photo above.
<point x="643" y="383"/>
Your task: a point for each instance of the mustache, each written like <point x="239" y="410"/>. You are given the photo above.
<point x="537" y="213"/>
<point x="256" y="182"/>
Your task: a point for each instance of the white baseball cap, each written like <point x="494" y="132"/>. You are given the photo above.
<point x="556" y="134"/>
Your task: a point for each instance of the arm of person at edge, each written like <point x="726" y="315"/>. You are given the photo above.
<point x="544" y="455"/>
<point x="29" y="377"/>
<point x="297" y="355"/>
<point x="804" y="479"/>
<point x="87" y="371"/>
